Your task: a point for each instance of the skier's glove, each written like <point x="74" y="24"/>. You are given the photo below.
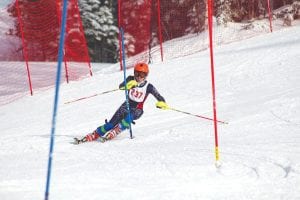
<point x="130" y="84"/>
<point x="162" y="105"/>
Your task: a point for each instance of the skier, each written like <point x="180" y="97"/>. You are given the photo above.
<point x="138" y="90"/>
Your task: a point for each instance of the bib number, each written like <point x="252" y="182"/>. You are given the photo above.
<point x="136" y="95"/>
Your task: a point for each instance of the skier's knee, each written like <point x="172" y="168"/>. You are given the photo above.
<point x="125" y="123"/>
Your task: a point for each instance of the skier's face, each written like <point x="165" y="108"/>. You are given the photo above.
<point x="140" y="76"/>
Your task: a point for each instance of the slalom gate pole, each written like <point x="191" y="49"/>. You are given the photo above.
<point x="199" y="116"/>
<point x="87" y="97"/>
<point x="119" y="35"/>
<point x="210" y="4"/>
<point x="270" y="15"/>
<point x="24" y="49"/>
<point x="159" y="31"/>
<point x="60" y="58"/>
<point x="125" y="82"/>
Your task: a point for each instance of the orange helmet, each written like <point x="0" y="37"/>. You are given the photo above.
<point x="141" y="67"/>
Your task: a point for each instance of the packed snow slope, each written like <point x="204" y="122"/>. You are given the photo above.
<point x="172" y="154"/>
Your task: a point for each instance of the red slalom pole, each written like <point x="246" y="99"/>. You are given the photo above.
<point x="24" y="49"/>
<point x="159" y="31"/>
<point x="270" y="15"/>
<point x="210" y="4"/>
<point x="119" y="36"/>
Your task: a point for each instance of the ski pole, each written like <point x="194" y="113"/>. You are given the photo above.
<point x="82" y="98"/>
<point x="199" y="116"/>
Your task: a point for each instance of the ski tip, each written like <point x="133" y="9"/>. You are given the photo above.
<point x="75" y="141"/>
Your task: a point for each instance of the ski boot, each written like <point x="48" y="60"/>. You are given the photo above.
<point x="89" y="138"/>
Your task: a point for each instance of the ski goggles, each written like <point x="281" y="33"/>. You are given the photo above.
<point x="140" y="74"/>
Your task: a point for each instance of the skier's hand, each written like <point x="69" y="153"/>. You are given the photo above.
<point x="162" y="105"/>
<point x="130" y="84"/>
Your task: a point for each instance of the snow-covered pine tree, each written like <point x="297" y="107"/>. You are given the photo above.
<point x="100" y="29"/>
<point x="196" y="16"/>
<point x="223" y="11"/>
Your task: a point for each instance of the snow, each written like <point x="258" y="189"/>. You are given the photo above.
<point x="9" y="44"/>
<point x="172" y="154"/>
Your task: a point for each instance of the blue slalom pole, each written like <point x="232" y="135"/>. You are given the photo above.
<point x="124" y="70"/>
<point x="60" y="58"/>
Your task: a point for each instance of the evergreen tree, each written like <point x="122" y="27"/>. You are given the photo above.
<point x="196" y="11"/>
<point x="100" y="27"/>
<point x="223" y="11"/>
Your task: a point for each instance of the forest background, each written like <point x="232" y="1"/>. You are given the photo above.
<point x="100" y="20"/>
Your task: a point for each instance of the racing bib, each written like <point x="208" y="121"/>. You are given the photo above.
<point x="138" y="94"/>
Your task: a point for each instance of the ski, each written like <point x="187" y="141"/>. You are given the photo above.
<point x="77" y="141"/>
<point x="95" y="137"/>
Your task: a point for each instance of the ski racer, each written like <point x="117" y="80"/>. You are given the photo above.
<point x="138" y="90"/>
